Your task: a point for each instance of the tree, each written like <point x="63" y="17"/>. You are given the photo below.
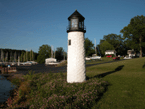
<point x="21" y="57"/>
<point x="89" y="47"/>
<point x="116" y="41"/>
<point x="43" y="53"/>
<point x="105" y="46"/>
<point x="134" y="33"/>
<point x="113" y="39"/>
<point x="24" y="57"/>
<point x="64" y="56"/>
<point x="59" y="54"/>
<point x="31" y="55"/>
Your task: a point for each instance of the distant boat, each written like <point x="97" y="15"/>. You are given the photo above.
<point x="28" y="63"/>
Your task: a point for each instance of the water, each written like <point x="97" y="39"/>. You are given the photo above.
<point x="5" y="87"/>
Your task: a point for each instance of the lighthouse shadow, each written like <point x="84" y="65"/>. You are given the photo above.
<point x="106" y="73"/>
<point x="102" y="83"/>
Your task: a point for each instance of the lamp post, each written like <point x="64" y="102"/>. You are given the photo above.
<point x="76" y="71"/>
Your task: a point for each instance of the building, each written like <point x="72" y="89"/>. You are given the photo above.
<point x="131" y="53"/>
<point x="49" y="60"/>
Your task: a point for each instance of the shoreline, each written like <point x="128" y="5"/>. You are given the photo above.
<point x="10" y="77"/>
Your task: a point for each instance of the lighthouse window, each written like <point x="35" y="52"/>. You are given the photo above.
<point x="69" y="42"/>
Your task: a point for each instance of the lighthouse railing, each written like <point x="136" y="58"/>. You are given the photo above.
<point x="69" y="28"/>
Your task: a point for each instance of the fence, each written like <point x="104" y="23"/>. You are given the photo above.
<point x="8" y="70"/>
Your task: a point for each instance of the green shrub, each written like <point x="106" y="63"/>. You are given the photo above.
<point x="16" y="81"/>
<point x="57" y="93"/>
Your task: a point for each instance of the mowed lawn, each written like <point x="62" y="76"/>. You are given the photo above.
<point x="127" y="84"/>
<point x="104" y="59"/>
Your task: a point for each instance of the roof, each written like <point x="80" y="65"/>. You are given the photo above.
<point x="110" y="51"/>
<point x="50" y="58"/>
<point x="130" y="50"/>
<point x="76" y="14"/>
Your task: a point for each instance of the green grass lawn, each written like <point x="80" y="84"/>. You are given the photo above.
<point x="104" y="59"/>
<point x="127" y="84"/>
<point x="117" y="85"/>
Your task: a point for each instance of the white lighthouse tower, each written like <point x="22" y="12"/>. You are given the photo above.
<point x="76" y="71"/>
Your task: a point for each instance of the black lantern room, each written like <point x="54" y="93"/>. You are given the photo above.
<point x="76" y="22"/>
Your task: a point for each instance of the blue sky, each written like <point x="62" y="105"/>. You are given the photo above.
<point x="28" y="24"/>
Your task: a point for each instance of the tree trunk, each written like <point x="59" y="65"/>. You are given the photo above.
<point x="10" y="56"/>
<point x="26" y="55"/>
<point x="15" y="56"/>
<point x="140" y="39"/>
<point x="1" y="55"/>
<point x="7" y="57"/>
<point x="64" y="55"/>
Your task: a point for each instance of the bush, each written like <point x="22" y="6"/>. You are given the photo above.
<point x="57" y="93"/>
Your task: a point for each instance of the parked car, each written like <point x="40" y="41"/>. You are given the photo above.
<point x="127" y="57"/>
<point x="116" y="58"/>
<point x="87" y="58"/>
<point x="109" y="56"/>
<point x="96" y="57"/>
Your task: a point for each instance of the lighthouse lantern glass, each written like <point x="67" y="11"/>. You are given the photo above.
<point x="80" y="24"/>
<point x="74" y="23"/>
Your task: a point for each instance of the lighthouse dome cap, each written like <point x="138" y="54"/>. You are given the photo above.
<point x="76" y="14"/>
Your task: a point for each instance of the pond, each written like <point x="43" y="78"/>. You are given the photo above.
<point x="5" y="87"/>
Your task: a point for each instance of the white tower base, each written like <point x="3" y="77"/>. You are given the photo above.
<point x="76" y="72"/>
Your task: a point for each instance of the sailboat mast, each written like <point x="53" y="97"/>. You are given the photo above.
<point x="51" y="51"/>
<point x="95" y="48"/>
<point x="54" y="53"/>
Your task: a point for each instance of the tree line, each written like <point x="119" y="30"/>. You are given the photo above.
<point x="11" y="55"/>
<point x="133" y="38"/>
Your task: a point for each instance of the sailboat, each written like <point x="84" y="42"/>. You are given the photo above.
<point x="94" y="56"/>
